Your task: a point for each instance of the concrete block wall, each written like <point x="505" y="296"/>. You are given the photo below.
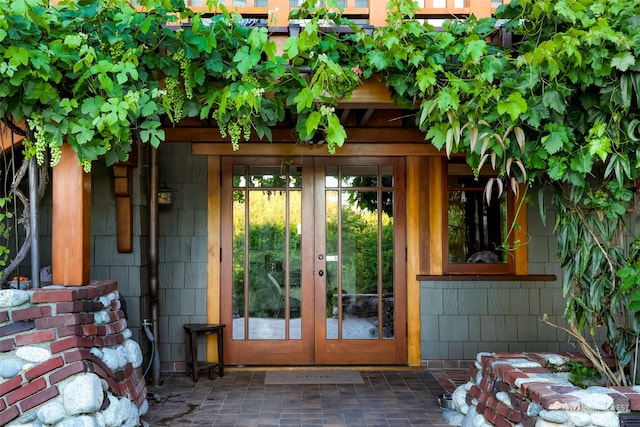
<point x="459" y="319"/>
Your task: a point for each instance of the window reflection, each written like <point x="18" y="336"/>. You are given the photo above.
<point x="476" y="229"/>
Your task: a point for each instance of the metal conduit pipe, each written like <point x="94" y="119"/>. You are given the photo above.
<point x="154" y="286"/>
<point x="33" y="217"/>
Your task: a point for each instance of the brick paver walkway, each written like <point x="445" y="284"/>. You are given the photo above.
<point x="387" y="398"/>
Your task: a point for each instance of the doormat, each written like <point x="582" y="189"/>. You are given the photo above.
<point x="313" y="377"/>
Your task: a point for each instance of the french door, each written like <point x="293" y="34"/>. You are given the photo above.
<point x="313" y="261"/>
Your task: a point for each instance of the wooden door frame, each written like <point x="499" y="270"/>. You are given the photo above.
<point x="365" y="351"/>
<point x="418" y="156"/>
<point x="291" y="351"/>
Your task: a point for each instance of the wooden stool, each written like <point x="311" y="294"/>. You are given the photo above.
<point x="191" y="333"/>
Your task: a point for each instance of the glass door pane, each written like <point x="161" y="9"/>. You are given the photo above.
<point x="359" y="234"/>
<point x="266" y="252"/>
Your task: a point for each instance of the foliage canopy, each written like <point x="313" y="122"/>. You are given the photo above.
<point x="558" y="108"/>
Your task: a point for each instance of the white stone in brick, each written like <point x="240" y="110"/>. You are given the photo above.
<point x="134" y="353"/>
<point x="481" y="421"/>
<point x="113" y="415"/>
<point x="110" y="358"/>
<point x="82" y="421"/>
<point x="503" y="397"/>
<point x="555" y="359"/>
<point x="559" y="417"/>
<point x="106" y="302"/>
<point x="467" y="421"/>
<point x="533" y="410"/>
<point x="453" y="418"/>
<point x="100" y="419"/>
<point x="10" y="367"/>
<point x="521" y="363"/>
<point x="97" y="352"/>
<point x="459" y="399"/>
<point x="25" y="420"/>
<point x="13" y="297"/>
<point x="51" y="413"/>
<point x="481" y="354"/>
<point x="144" y="407"/>
<point x="537" y="379"/>
<point x="83" y="395"/>
<point x="579" y="419"/>
<point x="97" y="318"/>
<point x="600" y="389"/>
<point x="126" y="333"/>
<point x="594" y="401"/>
<point x="544" y="423"/>
<point x="605" y="419"/>
<point x="122" y="356"/>
<point x="130" y="413"/>
<point x="33" y="354"/>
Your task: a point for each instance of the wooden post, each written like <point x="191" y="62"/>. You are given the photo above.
<point x="71" y="222"/>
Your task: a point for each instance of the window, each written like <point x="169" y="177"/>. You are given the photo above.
<point x="476" y="238"/>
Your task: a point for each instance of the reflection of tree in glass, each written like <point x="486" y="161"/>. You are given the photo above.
<point x="360" y="261"/>
<point x="368" y="200"/>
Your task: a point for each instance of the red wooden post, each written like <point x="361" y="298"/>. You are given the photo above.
<point x="71" y="222"/>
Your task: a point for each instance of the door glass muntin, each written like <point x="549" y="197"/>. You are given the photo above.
<point x="267" y="252"/>
<point x="359" y="246"/>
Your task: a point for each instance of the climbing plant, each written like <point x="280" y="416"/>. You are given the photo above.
<point x="558" y="108"/>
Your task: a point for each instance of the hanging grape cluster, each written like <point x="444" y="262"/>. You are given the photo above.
<point x="235" y="129"/>
<point x="116" y="50"/>
<point x="187" y="77"/>
<point x="39" y="145"/>
<point x="175" y="96"/>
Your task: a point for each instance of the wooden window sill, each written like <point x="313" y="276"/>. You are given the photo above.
<point x="487" y="278"/>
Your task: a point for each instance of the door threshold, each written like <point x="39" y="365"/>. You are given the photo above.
<point x="238" y="368"/>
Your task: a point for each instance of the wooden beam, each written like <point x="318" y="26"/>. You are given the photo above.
<point x="8" y="139"/>
<point x="413" y="259"/>
<point x="371" y="93"/>
<point x="71" y="221"/>
<point x="291" y="149"/>
<point x="213" y="252"/>
<point x="354" y="135"/>
<point x="124" y="208"/>
<point x="436" y="217"/>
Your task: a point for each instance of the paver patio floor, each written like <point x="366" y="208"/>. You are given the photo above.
<point x="403" y="397"/>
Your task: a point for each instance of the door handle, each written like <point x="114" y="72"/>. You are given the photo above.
<point x="321" y="273"/>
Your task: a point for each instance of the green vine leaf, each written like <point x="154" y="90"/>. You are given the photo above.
<point x="514" y="105"/>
